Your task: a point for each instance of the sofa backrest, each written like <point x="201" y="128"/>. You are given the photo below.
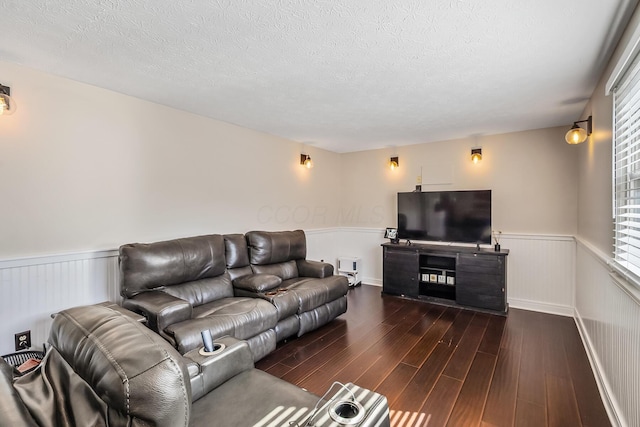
<point x="153" y="266"/>
<point x="271" y="247"/>
<point x="276" y="252"/>
<point x="237" y="255"/>
<point x="106" y="368"/>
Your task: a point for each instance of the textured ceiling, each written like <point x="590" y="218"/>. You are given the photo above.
<point x="342" y="75"/>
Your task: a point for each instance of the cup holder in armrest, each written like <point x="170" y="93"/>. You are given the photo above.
<point x="229" y="357"/>
<point x="217" y="348"/>
<point x="346" y="412"/>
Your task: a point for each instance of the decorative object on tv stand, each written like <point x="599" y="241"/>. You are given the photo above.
<point x="476" y="154"/>
<point x="578" y="135"/>
<point x="496" y="237"/>
<point x="305" y="160"/>
<point x="7" y="104"/>
<point x="350" y="267"/>
<point x="392" y="234"/>
<point x="394" y="163"/>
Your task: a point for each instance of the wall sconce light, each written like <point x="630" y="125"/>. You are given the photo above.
<point x="305" y="160"/>
<point x="476" y="155"/>
<point x="394" y="163"/>
<point x="7" y="104"/>
<point x="578" y="135"/>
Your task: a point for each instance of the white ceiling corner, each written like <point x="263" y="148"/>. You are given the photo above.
<point x="347" y="76"/>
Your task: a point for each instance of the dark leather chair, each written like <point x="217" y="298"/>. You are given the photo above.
<point x="182" y="287"/>
<point x="105" y="368"/>
<point x="102" y="368"/>
<point x="258" y="288"/>
<point x="306" y="293"/>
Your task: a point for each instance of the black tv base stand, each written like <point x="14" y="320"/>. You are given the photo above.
<point x="454" y="275"/>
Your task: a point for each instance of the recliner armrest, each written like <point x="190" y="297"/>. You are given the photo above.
<point x="218" y="368"/>
<point x="316" y="269"/>
<point x="160" y="309"/>
<point x="257" y="282"/>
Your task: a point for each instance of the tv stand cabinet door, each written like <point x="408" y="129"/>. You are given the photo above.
<point x="480" y="282"/>
<point x="400" y="275"/>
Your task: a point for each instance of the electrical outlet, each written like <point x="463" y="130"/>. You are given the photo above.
<point x="23" y="340"/>
<point x="419" y="179"/>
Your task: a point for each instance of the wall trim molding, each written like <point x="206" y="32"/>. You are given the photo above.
<point x="610" y="404"/>
<point x="547" y="237"/>
<point x="56" y="258"/>
<point x="107" y="253"/>
<point x="543" y="307"/>
<point x="620" y="280"/>
<point x="597" y="253"/>
<point x="320" y="230"/>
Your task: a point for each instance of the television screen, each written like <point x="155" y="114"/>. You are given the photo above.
<point x="447" y="216"/>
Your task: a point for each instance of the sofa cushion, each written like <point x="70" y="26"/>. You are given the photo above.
<point x="270" y="247"/>
<point x="317" y="269"/>
<point x="257" y="282"/>
<point x="264" y="399"/>
<point x="237" y="254"/>
<point x="145" y="266"/>
<point x="313" y="293"/>
<point x="239" y="317"/>
<point x="284" y="270"/>
<point x="203" y="291"/>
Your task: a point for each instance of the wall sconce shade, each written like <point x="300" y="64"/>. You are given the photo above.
<point x="476" y="155"/>
<point x="394" y="163"/>
<point x="578" y="135"/>
<point x="305" y="160"/>
<point x="7" y="104"/>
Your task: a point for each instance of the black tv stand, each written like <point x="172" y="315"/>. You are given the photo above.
<point x="454" y="275"/>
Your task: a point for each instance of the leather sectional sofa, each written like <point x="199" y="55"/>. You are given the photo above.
<point x="258" y="287"/>
<point x="106" y="369"/>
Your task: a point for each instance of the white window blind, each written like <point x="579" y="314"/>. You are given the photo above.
<point x="626" y="173"/>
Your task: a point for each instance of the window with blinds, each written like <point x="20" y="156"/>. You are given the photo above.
<point x="626" y="171"/>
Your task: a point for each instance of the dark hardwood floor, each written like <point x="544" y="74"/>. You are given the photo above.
<point x="443" y="366"/>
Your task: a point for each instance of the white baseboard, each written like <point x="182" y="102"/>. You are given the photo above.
<point x="372" y="282"/>
<point x="543" y="307"/>
<point x="598" y="370"/>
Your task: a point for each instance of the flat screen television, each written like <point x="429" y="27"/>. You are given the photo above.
<point x="446" y="216"/>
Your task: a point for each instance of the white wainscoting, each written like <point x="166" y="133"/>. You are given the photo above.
<point x="607" y="312"/>
<point x="545" y="273"/>
<point x="364" y="243"/>
<point x="540" y="276"/>
<point x="540" y="272"/>
<point x="540" y="268"/>
<point x="31" y="289"/>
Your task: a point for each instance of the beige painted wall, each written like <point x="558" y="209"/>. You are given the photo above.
<point x="83" y="168"/>
<point x="595" y="223"/>
<point x="532" y="175"/>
